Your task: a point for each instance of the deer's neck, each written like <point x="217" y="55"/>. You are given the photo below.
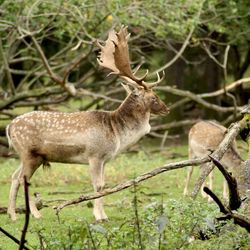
<point x="131" y="121"/>
<point x="131" y="114"/>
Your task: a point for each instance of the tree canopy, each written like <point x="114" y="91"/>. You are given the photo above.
<point x="48" y="53"/>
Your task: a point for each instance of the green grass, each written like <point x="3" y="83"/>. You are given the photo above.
<point x="166" y="218"/>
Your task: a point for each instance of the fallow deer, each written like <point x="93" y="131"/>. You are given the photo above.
<point x="91" y="137"/>
<point x="204" y="137"/>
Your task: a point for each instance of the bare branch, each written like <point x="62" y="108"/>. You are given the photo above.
<point x="179" y="54"/>
<point x="81" y="92"/>
<point x="22" y="241"/>
<point x="228" y="88"/>
<point x="196" y="98"/>
<point x="225" y="62"/>
<point x="223" y="209"/>
<point x="238" y="219"/>
<point x="174" y="124"/>
<point x="211" y="55"/>
<point x="74" y="64"/>
<point x="27" y="94"/>
<point x="7" y="69"/>
<point x="184" y="45"/>
<point x="206" y="95"/>
<point x="67" y="86"/>
<point x="138" y="179"/>
<point x="234" y="196"/>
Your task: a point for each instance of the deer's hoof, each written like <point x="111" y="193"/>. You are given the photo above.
<point x="12" y="216"/>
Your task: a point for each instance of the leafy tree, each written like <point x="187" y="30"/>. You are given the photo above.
<point x="47" y="49"/>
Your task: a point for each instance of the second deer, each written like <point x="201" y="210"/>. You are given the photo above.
<point x="204" y="137"/>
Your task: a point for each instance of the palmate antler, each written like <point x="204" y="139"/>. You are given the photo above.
<point x="114" y="56"/>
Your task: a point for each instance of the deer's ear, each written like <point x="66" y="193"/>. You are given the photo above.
<point x="126" y="87"/>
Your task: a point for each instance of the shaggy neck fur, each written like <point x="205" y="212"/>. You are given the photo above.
<point x="131" y="114"/>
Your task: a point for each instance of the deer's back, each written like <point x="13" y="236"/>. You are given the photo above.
<point x="205" y="136"/>
<point x="63" y="137"/>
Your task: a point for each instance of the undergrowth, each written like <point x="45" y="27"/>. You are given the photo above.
<point x="152" y="215"/>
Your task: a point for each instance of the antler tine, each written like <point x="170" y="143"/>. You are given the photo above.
<point x="143" y="77"/>
<point x="136" y="70"/>
<point x="130" y="82"/>
<point x="159" y="79"/>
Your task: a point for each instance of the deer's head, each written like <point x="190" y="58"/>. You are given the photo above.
<point x="114" y="56"/>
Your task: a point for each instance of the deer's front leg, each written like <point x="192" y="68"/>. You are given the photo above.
<point x="97" y="174"/>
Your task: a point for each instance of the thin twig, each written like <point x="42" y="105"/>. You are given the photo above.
<point x="180" y="52"/>
<point x="75" y="64"/>
<point x="12" y="238"/>
<point x="7" y="69"/>
<point x="91" y="236"/>
<point x="137" y="220"/>
<point x="27" y="214"/>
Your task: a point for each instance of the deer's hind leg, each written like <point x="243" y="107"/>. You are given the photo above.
<point x="13" y="193"/>
<point x="191" y="155"/>
<point x="27" y="168"/>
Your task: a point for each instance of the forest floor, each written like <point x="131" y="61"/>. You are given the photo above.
<point x="152" y="215"/>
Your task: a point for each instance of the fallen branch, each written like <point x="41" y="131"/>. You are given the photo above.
<point x="217" y="154"/>
<point x="238" y="219"/>
<point x="234" y="196"/>
<point x="39" y="202"/>
<point x="138" y="179"/>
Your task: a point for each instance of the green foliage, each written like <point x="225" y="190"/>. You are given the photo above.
<point x="174" y="19"/>
<point x="166" y="219"/>
<point x="233" y="14"/>
<point x="162" y="18"/>
<point x="175" y="224"/>
<point x="67" y="30"/>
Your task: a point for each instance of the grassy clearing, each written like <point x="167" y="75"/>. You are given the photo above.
<point x="166" y="219"/>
